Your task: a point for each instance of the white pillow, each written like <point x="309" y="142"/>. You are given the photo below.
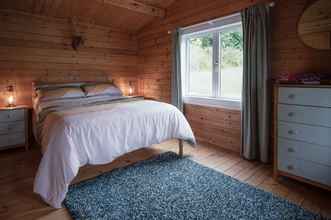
<point x="101" y="89"/>
<point x="60" y="93"/>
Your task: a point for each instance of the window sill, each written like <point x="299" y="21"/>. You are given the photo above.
<point x="213" y="102"/>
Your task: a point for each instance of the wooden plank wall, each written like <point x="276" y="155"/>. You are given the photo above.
<point x="39" y="48"/>
<point x="155" y="40"/>
<point x="289" y="55"/>
<point x="220" y="127"/>
<point x="215" y="126"/>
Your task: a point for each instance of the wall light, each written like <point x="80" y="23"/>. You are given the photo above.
<point x="10" y="96"/>
<point x="130" y="88"/>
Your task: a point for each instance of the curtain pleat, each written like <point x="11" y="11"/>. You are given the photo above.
<point x="256" y="97"/>
<point x="176" y="79"/>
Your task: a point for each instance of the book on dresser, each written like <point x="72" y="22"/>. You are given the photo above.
<point x="14" y="130"/>
<point x="302" y="134"/>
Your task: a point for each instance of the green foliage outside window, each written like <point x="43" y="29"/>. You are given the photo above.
<point x="231" y="49"/>
<point x="204" y="42"/>
<point x="231" y="44"/>
<point x="201" y="53"/>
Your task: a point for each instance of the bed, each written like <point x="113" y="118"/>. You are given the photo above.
<point x="78" y="130"/>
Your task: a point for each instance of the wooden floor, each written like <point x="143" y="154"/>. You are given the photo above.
<point x="17" y="170"/>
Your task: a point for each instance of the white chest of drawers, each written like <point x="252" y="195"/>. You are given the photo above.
<point x="14" y="127"/>
<point x="302" y="133"/>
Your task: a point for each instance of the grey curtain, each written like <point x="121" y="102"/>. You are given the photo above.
<point x="256" y="98"/>
<point x="176" y="79"/>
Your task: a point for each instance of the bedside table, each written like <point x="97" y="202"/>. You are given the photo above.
<point x="14" y="129"/>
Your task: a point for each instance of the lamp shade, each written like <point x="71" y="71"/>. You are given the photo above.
<point x="11" y="96"/>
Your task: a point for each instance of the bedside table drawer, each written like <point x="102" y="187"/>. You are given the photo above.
<point x="12" y="127"/>
<point x="12" y="139"/>
<point x="12" y="115"/>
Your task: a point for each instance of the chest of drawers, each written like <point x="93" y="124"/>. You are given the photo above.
<point x="14" y="127"/>
<point x="302" y="134"/>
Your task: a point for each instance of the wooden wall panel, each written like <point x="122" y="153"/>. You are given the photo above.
<point x="220" y="127"/>
<point x="289" y="55"/>
<point x="39" y="48"/>
<point x="101" y="12"/>
<point x="155" y="39"/>
<point x="215" y="125"/>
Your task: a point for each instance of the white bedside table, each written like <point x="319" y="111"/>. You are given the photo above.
<point x="14" y="127"/>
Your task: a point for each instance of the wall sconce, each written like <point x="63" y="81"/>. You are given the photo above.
<point x="10" y="96"/>
<point x="77" y="42"/>
<point x="130" y="88"/>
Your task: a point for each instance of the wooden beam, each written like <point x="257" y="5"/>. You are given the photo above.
<point x="134" y="5"/>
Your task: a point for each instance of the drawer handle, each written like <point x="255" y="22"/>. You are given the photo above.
<point x="291" y="96"/>
<point x="291" y="132"/>
<point x="290" y="167"/>
<point x="290" y="150"/>
<point x="290" y="114"/>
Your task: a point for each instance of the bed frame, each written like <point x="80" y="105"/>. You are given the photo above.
<point x="181" y="147"/>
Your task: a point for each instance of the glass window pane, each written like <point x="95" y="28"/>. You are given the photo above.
<point x="231" y="68"/>
<point x="200" y="67"/>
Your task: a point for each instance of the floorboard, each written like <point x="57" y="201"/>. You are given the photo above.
<point x="18" y="168"/>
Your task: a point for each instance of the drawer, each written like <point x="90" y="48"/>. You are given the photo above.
<point x="12" y="115"/>
<point x="306" y="133"/>
<point x="305" y="96"/>
<point x="305" y="151"/>
<point x="12" y="127"/>
<point x="306" y="169"/>
<point x="12" y="139"/>
<point x="305" y="114"/>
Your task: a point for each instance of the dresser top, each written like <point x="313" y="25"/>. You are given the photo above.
<point x="302" y="85"/>
<point x="4" y="108"/>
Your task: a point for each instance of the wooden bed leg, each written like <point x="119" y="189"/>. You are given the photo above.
<point x="181" y="146"/>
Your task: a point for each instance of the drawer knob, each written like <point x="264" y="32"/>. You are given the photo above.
<point x="290" y="150"/>
<point x="290" y="167"/>
<point x="290" y="114"/>
<point x="291" y="96"/>
<point x="290" y="132"/>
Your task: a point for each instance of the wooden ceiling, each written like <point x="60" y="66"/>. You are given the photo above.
<point x="127" y="15"/>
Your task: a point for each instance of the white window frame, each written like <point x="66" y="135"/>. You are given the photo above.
<point x="214" y="27"/>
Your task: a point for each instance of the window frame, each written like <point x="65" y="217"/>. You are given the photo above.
<point x="215" y="28"/>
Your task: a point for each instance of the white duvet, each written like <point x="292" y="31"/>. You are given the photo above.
<point x="97" y="135"/>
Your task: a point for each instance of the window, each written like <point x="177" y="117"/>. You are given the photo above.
<point x="212" y="61"/>
<point x="200" y="65"/>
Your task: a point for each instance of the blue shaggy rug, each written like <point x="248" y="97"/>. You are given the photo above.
<point x="170" y="187"/>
